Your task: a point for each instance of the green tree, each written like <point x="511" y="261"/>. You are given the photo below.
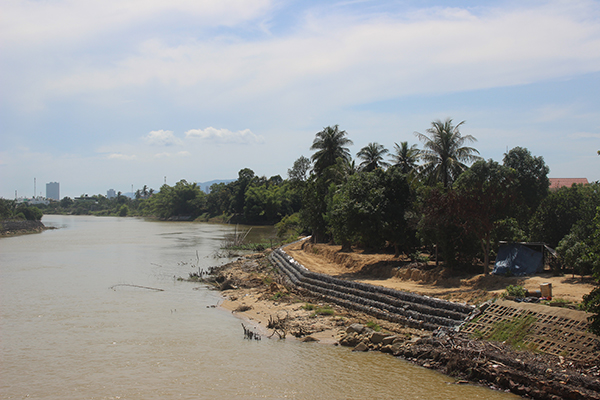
<point x="219" y="199"/>
<point x="486" y="192"/>
<point x="31" y="213"/>
<point x="357" y="211"/>
<point x="238" y="190"/>
<point x="445" y="154"/>
<point x="298" y="172"/>
<point x="330" y="144"/>
<point x="406" y="158"/>
<point x="591" y="301"/>
<point x="561" y="210"/>
<point x="123" y="211"/>
<point x="262" y="204"/>
<point x="66" y="202"/>
<point x="399" y="199"/>
<point x="315" y="199"/>
<point x="369" y="210"/>
<point x="289" y="228"/>
<point x="443" y="226"/>
<point x="577" y="253"/>
<point x="7" y="208"/>
<point x="182" y="200"/>
<point x="532" y="179"/>
<point x="372" y="157"/>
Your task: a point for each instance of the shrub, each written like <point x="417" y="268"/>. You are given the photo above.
<point x="515" y="291"/>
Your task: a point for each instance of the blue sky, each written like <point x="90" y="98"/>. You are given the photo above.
<point x="114" y="93"/>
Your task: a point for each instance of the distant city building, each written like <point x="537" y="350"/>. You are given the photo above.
<point x="53" y="191"/>
<point x="111" y="194"/>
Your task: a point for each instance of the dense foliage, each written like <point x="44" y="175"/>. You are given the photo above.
<point x="10" y="210"/>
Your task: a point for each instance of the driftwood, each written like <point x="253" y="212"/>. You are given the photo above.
<point x="250" y="334"/>
<point x="278" y="325"/>
<point x="137" y="286"/>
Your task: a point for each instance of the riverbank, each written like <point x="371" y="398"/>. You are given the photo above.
<point x="254" y="290"/>
<point x="20" y="227"/>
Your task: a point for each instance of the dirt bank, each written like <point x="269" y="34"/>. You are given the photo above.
<point x="400" y="274"/>
<point x="256" y="292"/>
<point x="12" y="228"/>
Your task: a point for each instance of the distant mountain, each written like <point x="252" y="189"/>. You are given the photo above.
<point x="205" y="186"/>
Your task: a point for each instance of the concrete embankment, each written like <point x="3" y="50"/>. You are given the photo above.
<point x="410" y="309"/>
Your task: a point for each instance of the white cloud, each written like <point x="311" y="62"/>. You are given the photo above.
<point x="24" y="23"/>
<point x="168" y="155"/>
<point x="162" y="138"/>
<point x="338" y="61"/>
<point x="224" y="135"/>
<point x="119" y="156"/>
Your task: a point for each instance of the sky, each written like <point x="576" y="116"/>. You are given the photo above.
<point x="115" y="94"/>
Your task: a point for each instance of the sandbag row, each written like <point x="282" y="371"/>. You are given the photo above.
<point x="407" y="308"/>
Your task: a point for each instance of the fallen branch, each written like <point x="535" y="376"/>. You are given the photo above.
<point x="137" y="286"/>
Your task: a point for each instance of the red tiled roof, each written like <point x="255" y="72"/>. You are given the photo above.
<point x="556" y="183"/>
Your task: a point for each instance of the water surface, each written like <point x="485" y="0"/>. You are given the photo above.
<point x="67" y="331"/>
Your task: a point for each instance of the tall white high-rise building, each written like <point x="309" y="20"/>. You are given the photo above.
<point x="111" y="194"/>
<point x="53" y="191"/>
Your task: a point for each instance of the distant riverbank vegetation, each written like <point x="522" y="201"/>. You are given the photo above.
<point x="442" y="199"/>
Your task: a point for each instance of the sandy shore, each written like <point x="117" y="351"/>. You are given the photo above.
<point x="255" y="292"/>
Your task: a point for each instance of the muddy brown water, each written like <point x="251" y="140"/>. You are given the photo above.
<point x="66" y="330"/>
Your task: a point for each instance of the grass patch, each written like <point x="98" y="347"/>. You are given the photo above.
<point x="512" y="332"/>
<point x="267" y="280"/>
<point x="557" y="302"/>
<point x="374" y="326"/>
<point x="318" y="310"/>
<point x="280" y="296"/>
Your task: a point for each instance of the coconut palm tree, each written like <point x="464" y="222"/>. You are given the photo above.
<point x="372" y="156"/>
<point x="405" y="157"/>
<point x="330" y="145"/>
<point x="444" y="153"/>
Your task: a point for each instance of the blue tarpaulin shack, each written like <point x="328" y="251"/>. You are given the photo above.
<point x="519" y="259"/>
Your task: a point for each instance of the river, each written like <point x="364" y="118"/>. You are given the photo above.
<point x="72" y="328"/>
